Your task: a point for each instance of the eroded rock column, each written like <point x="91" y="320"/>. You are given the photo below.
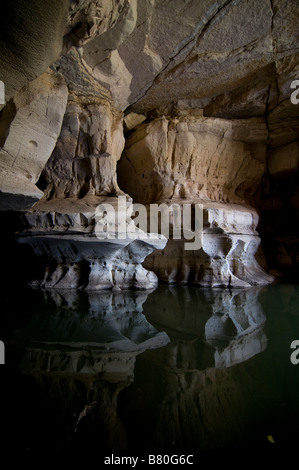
<point x="64" y="228"/>
<point x="217" y="163"/>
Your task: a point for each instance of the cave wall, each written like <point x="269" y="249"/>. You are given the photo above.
<point x="31" y="39"/>
<point x="188" y="103"/>
<point x="194" y="157"/>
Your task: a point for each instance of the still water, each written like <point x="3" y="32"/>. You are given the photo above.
<point x="176" y="370"/>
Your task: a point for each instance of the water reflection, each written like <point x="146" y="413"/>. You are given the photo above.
<point x="173" y="369"/>
<point x="192" y="399"/>
<point x="231" y="322"/>
<point x="88" y="334"/>
<point x="225" y="380"/>
<point x="76" y="353"/>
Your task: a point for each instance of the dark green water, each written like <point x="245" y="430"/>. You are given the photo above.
<point x="175" y="370"/>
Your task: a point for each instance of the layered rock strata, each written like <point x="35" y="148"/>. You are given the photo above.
<point x="78" y="252"/>
<point x="226" y="256"/>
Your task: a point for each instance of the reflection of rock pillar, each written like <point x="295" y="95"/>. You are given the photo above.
<point x="87" y="334"/>
<point x="199" y="392"/>
<point x="82" y="347"/>
<point x="231" y="322"/>
<point x="232" y="346"/>
<point x="241" y="348"/>
<point x="219" y="330"/>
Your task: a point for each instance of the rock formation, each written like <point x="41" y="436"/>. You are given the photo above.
<point x="202" y="158"/>
<point x="31" y="40"/>
<point x="197" y="160"/>
<point x="181" y="104"/>
<point x="75" y="256"/>
<point x="30" y="126"/>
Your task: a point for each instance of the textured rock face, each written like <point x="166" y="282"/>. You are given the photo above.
<point x="31" y="40"/>
<point x="225" y="55"/>
<point x="62" y="228"/>
<point x="105" y="61"/>
<point x="29" y="127"/>
<point x="218" y="47"/>
<point x="203" y="158"/>
<point x="77" y="253"/>
<point x="85" y="157"/>
<point x="226" y="257"/>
